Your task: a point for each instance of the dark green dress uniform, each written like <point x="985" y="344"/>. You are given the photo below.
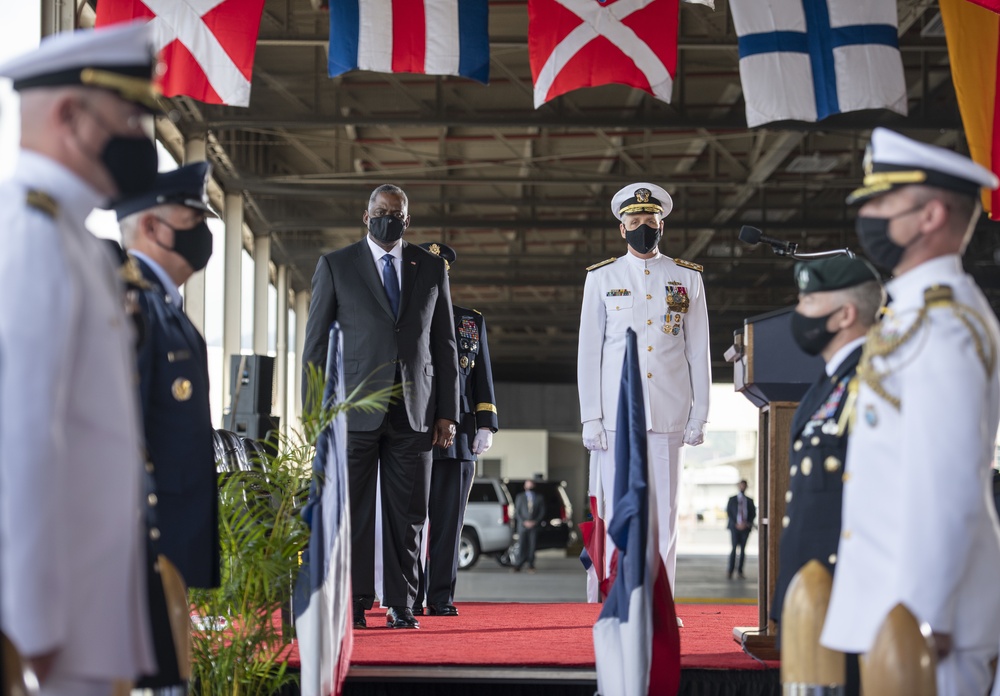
<point x="811" y="526"/>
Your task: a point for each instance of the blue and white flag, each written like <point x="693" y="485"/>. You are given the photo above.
<point x="636" y="641"/>
<point x="433" y="37"/>
<point x="323" y="596"/>
<point x="804" y="60"/>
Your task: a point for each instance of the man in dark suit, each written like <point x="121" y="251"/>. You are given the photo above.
<point x="742" y="512"/>
<point x="455" y="467"/>
<point x="839" y="300"/>
<point x="168" y="240"/>
<point x="393" y="303"/>
<point x="529" y="510"/>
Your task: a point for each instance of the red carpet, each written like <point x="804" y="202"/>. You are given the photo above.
<point x="540" y="635"/>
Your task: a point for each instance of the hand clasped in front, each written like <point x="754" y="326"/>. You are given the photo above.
<point x="444" y="433"/>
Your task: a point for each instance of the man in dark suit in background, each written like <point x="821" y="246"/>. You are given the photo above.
<point x="393" y="303"/>
<point x="455" y="467"/>
<point x="529" y="510"/>
<point x="168" y="240"/>
<point x="742" y="512"/>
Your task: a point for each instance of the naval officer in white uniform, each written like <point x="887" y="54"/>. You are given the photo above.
<point x="72" y="531"/>
<point x="918" y="526"/>
<point x="663" y="300"/>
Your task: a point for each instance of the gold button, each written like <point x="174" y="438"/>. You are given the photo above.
<point x="794" y="470"/>
<point x="649" y="348"/>
<point x="831" y="464"/>
<point x="648" y="322"/>
<point x="617" y="307"/>
<point x="785" y="520"/>
<point x="814" y="441"/>
<point x="149" y="467"/>
<point x="797" y="446"/>
<point x="846" y="534"/>
<point x="788" y="496"/>
<point x="649" y="375"/>
<point x="807" y="466"/>
<point x="151" y="499"/>
<point x="832" y="558"/>
<point x="649" y="297"/>
<point x="647" y="271"/>
<point x="154" y="533"/>
<point x="846" y="477"/>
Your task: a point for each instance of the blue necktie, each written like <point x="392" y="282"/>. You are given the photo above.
<point x="391" y="282"/>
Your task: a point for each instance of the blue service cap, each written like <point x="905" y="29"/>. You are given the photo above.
<point x="187" y="186"/>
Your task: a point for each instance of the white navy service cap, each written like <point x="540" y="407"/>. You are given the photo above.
<point x="118" y="58"/>
<point x="642" y="197"/>
<point x="893" y="160"/>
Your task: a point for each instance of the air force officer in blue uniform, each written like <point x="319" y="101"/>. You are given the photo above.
<point x="166" y="235"/>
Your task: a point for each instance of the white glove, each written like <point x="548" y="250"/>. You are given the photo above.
<point x="483" y="441"/>
<point x="694" y="432"/>
<point x="594" y="437"/>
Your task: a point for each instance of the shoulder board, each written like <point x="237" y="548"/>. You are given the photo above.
<point x="938" y="296"/>
<point x="478" y="312"/>
<point x="605" y="262"/>
<point x="42" y="202"/>
<point x="688" y="264"/>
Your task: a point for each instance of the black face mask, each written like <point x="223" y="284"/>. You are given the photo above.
<point x="643" y="238"/>
<point x="873" y="235"/>
<point x="387" y="228"/>
<point x="811" y="333"/>
<point x="193" y="244"/>
<point x="131" y="164"/>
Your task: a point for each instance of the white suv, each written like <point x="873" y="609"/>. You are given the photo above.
<point x="489" y="522"/>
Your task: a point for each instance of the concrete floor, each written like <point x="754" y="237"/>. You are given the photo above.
<point x="562" y="579"/>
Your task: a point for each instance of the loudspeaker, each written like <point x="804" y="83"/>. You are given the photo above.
<point x="253" y="426"/>
<point x="250" y="384"/>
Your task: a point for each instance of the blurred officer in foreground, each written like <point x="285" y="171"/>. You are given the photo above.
<point x="918" y="525"/>
<point x="168" y="240"/>
<point x="71" y="534"/>
<point x="454" y="467"/>
<point x="663" y="301"/>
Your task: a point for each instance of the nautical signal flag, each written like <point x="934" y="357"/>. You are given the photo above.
<point x="805" y="60"/>
<point x="586" y="43"/>
<point x="972" y="31"/>
<point x="636" y="641"/>
<point x="433" y="37"/>
<point x="207" y="46"/>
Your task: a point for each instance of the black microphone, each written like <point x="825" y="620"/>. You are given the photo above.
<point x="751" y="235"/>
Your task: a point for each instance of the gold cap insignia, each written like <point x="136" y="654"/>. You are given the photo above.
<point x="435" y="249"/>
<point x="181" y="389"/>
<point x="642" y="195"/>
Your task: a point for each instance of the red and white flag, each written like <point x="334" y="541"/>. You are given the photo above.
<point x="586" y="43"/>
<point x="207" y="45"/>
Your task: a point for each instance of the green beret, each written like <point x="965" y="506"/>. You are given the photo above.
<point x="833" y="273"/>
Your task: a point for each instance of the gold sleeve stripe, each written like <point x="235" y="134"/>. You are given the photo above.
<point x="486" y="407"/>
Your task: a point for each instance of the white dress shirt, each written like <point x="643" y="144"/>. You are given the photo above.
<point x="165" y="280"/>
<point x="397" y="258"/>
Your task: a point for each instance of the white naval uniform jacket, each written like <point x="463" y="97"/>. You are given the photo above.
<point x="673" y="345"/>
<point x="72" y="576"/>
<point x="918" y="524"/>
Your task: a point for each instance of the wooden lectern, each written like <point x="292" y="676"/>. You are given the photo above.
<point x="770" y="370"/>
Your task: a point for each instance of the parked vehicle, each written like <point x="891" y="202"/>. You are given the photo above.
<point x="489" y="522"/>
<point x="558" y="530"/>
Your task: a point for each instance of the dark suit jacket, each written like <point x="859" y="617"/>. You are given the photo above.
<point x="346" y="288"/>
<point x="521" y="509"/>
<point x="816" y="481"/>
<point x="475" y="381"/>
<point x="732" y="511"/>
<point x="177" y="418"/>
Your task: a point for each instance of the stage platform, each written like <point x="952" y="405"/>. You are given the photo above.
<point x="514" y="648"/>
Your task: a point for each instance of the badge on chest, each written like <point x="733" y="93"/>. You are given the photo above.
<point x="678" y="301"/>
<point x="468" y="335"/>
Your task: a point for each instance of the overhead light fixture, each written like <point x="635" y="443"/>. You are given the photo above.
<point x="813" y="164"/>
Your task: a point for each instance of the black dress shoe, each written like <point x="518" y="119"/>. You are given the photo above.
<point x="358" y="608"/>
<point x="418" y="611"/>
<point x="442" y="610"/>
<point x="400" y="617"/>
